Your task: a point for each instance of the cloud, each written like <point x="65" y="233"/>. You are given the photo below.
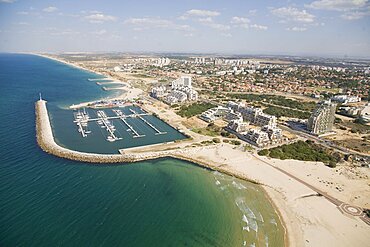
<point x="100" y="18"/>
<point x="7" y="1"/>
<point x="23" y="23"/>
<point x="205" y="17"/>
<point x="258" y="27"/>
<point x="199" y="13"/>
<point x="293" y="14"/>
<point x="353" y="9"/>
<point x="355" y="15"/>
<point x="66" y="32"/>
<point x="144" y="23"/>
<point x="338" y="5"/>
<point x="252" y="12"/>
<point x="205" y="20"/>
<point x="157" y="22"/>
<point x="296" y="29"/>
<point x="100" y="32"/>
<point x="239" y="20"/>
<point x="217" y="26"/>
<point x="244" y="22"/>
<point x="50" y="9"/>
<point x="227" y="35"/>
<point x="22" y="13"/>
<point x="189" y="35"/>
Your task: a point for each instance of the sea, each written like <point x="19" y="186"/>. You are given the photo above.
<point x="50" y="201"/>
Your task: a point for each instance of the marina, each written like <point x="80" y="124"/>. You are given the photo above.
<point x="83" y="119"/>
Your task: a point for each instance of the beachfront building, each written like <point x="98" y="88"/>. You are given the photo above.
<point x="232" y="115"/>
<point x="183" y="84"/>
<point x="257" y="137"/>
<point x="176" y="96"/>
<point x="215" y="113"/>
<point x="238" y="126"/>
<point x="180" y="91"/>
<point x="274" y="133"/>
<point x="263" y="119"/>
<point x="158" y="92"/>
<point x="239" y="117"/>
<point x="256" y="116"/>
<point x="236" y="107"/>
<point x="269" y="132"/>
<point x="322" y="119"/>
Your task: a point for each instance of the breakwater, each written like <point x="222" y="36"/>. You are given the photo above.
<point x="45" y="140"/>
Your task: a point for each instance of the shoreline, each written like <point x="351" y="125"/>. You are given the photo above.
<point x="128" y="91"/>
<point x="279" y="188"/>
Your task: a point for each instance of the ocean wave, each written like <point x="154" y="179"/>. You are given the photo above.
<point x="273" y="221"/>
<point x="239" y="186"/>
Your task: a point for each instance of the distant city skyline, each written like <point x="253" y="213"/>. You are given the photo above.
<point x="313" y="27"/>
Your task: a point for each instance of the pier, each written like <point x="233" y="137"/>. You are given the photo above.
<point x="147" y="122"/>
<point x="102" y="120"/>
<point x="81" y="129"/>
<point x="81" y="119"/>
<point x="117" y="117"/>
<point x="121" y="116"/>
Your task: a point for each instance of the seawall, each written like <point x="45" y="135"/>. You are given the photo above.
<point x="45" y="140"/>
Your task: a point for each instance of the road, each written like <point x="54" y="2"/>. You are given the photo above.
<point x="323" y="142"/>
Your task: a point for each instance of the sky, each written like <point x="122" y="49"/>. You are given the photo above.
<point x="338" y="28"/>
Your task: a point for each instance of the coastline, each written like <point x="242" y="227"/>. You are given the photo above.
<point x="280" y="189"/>
<point x="128" y="91"/>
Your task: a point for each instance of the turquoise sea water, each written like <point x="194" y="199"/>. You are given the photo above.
<point x="48" y="201"/>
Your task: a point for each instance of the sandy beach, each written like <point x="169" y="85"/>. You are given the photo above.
<point x="310" y="220"/>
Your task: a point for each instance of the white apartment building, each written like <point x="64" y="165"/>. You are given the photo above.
<point x="257" y="137"/>
<point x="345" y="99"/>
<point x="158" y="92"/>
<point x="322" y="119"/>
<point x="176" y="96"/>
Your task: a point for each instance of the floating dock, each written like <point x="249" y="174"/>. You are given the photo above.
<point x="81" y="119"/>
<point x="122" y="117"/>
<point x="147" y="122"/>
<point x="105" y="123"/>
